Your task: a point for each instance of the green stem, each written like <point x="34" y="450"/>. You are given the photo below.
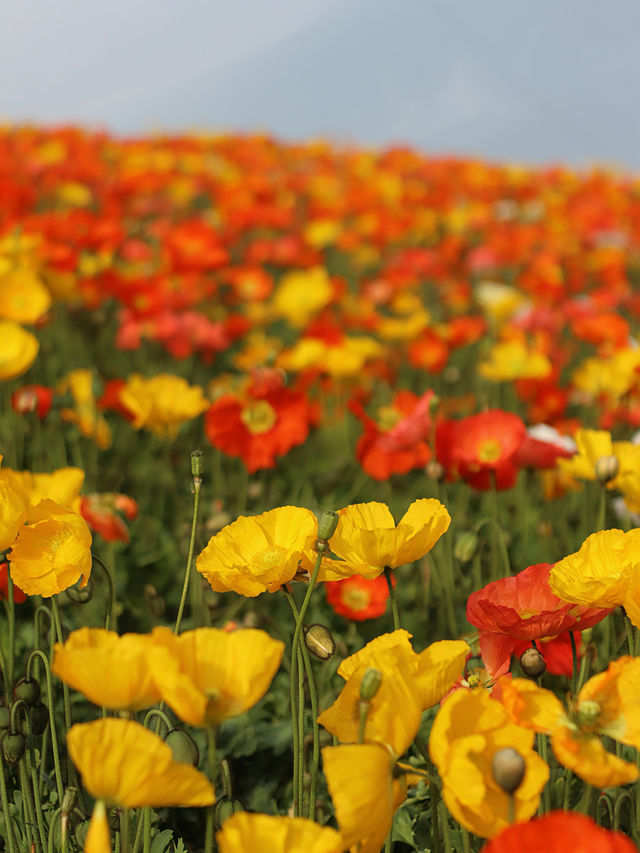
<point x="11" y="841"/>
<point x="575" y="669"/>
<point x="11" y="615"/>
<point x="57" y="815"/>
<point x="211" y="758"/>
<point x="161" y="716"/>
<point x="197" y="484"/>
<point x="124" y="831"/>
<point x="110" y="607"/>
<point x="297" y="793"/>
<point x="544" y="755"/>
<point x="28" y="807"/>
<point x="38" y="653"/>
<point x="55" y="612"/>
<point x="631" y="641"/>
<point x="392" y="596"/>
<point x="301" y="730"/>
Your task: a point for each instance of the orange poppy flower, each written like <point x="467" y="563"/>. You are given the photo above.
<point x="557" y="832"/>
<point x="358" y="598"/>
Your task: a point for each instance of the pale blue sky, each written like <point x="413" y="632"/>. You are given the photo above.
<point x="555" y="80"/>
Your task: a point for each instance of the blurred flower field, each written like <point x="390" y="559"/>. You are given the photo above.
<point x="319" y="499"/>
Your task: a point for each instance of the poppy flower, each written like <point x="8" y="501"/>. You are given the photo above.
<point x="23" y="296"/>
<point x="511" y="360"/>
<point x="209" y="675"/>
<point x="258" y="553"/>
<point x="557" y="832"/>
<point x="358" y="598"/>
<point x="32" y="398"/>
<point x="18" y="595"/>
<point x="366" y="793"/>
<point x="19" y="349"/>
<point x="606" y="705"/>
<point x="260" y="425"/>
<point x="481" y="448"/>
<point x="52" y="551"/>
<point x="542" y="446"/>
<point x="301" y="294"/>
<point x="162" y="403"/>
<point x="123" y="764"/>
<point x="273" y="834"/>
<point x="62" y="485"/>
<point x="367" y="539"/>
<point x="100" y="511"/>
<point x="522" y="608"/>
<point x="109" y="670"/>
<point x="469" y="728"/>
<point x="602" y="573"/>
<point x="396" y="443"/>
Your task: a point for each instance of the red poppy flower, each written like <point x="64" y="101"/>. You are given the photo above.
<point x="100" y="511"/>
<point x="542" y="446"/>
<point x="259" y="425"/>
<point x="481" y="448"/>
<point x="358" y="598"/>
<point x="18" y="595"/>
<point x="396" y="443"/>
<point x="516" y="610"/>
<point x="558" y="832"/>
<point x="32" y="398"/>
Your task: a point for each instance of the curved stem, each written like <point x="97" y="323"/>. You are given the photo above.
<point x="71" y="770"/>
<point x="38" y="653"/>
<point x="111" y="599"/>
<point x="156" y="712"/>
<point x="197" y="484"/>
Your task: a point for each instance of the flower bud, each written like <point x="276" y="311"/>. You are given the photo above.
<point x="39" y="718"/>
<point x="28" y="690"/>
<point x="69" y="800"/>
<point x="13" y="747"/>
<point x="183" y="747"/>
<point x="327" y="525"/>
<point x="224" y="808"/>
<point x="197" y="463"/>
<point x="370" y="684"/>
<point x="5" y="717"/>
<point x="319" y="641"/>
<point x="466" y="546"/>
<point x="606" y="469"/>
<point x="532" y="663"/>
<point x="508" y="768"/>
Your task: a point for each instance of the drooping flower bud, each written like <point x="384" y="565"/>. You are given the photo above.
<point x="532" y="663"/>
<point x="39" y="718"/>
<point x="28" y="690"/>
<point x="466" y="546"/>
<point x="13" y="747"/>
<point x="224" y="808"/>
<point x="319" y="641"/>
<point x="606" y="469"/>
<point x="508" y="768"/>
<point x="183" y="747"/>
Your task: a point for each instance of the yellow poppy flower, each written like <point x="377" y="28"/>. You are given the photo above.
<point x="613" y="376"/>
<point x="258" y="553"/>
<point x="109" y="670"/>
<point x="511" y="360"/>
<point x="368" y="540"/>
<point x="98" y="838"/>
<point x="18" y="351"/>
<point x="52" y="552"/>
<point x="365" y="791"/>
<point x="341" y="360"/>
<point x="62" y="486"/>
<point x="269" y="834"/>
<point x="604" y="572"/>
<point x="606" y="705"/>
<point x="162" y="403"/>
<point x="469" y="729"/>
<point x="23" y="297"/>
<point x="85" y="413"/>
<point x="123" y="764"/>
<point x="13" y="512"/>
<point x="410" y="681"/>
<point x="208" y="675"/>
<point x="301" y="294"/>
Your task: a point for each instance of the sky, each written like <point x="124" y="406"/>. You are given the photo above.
<point x="551" y="81"/>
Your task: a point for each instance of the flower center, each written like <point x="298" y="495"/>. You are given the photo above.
<point x="356" y="599"/>
<point x="588" y="715"/>
<point x="489" y="450"/>
<point x="269" y="559"/>
<point x="388" y="417"/>
<point x="258" y="417"/>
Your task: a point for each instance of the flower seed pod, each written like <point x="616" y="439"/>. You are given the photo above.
<point x="327" y="525"/>
<point x="466" y="546"/>
<point x="532" y="663"/>
<point x="224" y="808"/>
<point x="370" y="684"/>
<point x="606" y="469"/>
<point x="13" y="747"/>
<point x="28" y="690"/>
<point x="39" y="718"/>
<point x="197" y="463"/>
<point x="508" y="768"/>
<point x="183" y="747"/>
<point x="319" y="641"/>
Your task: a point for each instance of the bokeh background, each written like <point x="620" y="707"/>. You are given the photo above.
<point x="550" y="81"/>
